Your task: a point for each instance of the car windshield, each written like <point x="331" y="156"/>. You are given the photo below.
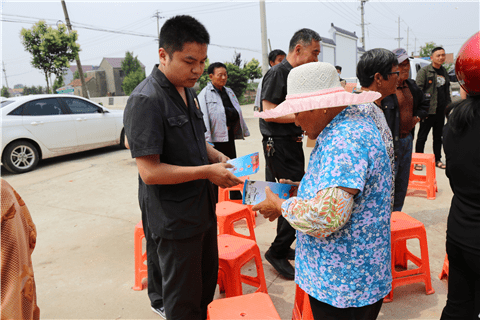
<point x="5" y="103"/>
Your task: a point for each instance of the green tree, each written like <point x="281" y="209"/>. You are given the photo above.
<point x="237" y="59"/>
<point x="76" y="75"/>
<point x="52" y="49"/>
<point x="426" y="50"/>
<point x="5" y="92"/>
<point x="58" y="83"/>
<point x="131" y="81"/>
<point x="237" y="79"/>
<point x="252" y="69"/>
<point x="30" y="90"/>
<point x="133" y="71"/>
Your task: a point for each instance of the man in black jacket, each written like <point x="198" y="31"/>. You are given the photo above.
<point x="403" y="111"/>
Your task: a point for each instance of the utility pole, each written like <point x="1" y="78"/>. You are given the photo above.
<point x="363" y="21"/>
<point x="79" y="65"/>
<point x="263" y="27"/>
<point x="5" y="74"/>
<point x="408" y="29"/>
<point x="415" y="46"/>
<point x="399" y="39"/>
<point x="157" y="15"/>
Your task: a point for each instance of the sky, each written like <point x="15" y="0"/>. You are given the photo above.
<point x="110" y="28"/>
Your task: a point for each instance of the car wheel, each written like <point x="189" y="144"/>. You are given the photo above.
<point x="122" y="140"/>
<point x="20" y="157"/>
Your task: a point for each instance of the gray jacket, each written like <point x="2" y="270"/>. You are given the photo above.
<point x="427" y="81"/>
<point x="215" y="118"/>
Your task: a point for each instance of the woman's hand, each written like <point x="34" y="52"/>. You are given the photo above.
<point x="271" y="207"/>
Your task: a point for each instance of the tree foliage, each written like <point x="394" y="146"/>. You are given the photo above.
<point x="131" y="81"/>
<point x="76" y="75"/>
<point x="33" y="90"/>
<point x="58" y="83"/>
<point x="133" y="71"/>
<point x="426" y="50"/>
<point x="252" y="69"/>
<point x="5" y="92"/>
<point x="51" y="49"/>
<point x="237" y="79"/>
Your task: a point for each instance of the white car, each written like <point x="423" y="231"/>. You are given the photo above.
<point x="43" y="126"/>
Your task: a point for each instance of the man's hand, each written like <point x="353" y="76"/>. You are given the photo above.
<point x="219" y="175"/>
<point x="271" y="207"/>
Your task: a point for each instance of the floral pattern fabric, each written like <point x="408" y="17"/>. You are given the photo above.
<point x="352" y="266"/>
<point x="320" y="217"/>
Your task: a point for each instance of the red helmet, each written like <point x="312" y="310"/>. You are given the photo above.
<point x="467" y="66"/>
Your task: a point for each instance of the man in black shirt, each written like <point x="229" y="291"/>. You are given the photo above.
<point x="165" y="133"/>
<point x="282" y="139"/>
<point x="435" y="84"/>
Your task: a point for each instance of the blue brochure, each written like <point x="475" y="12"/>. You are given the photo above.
<point x="254" y="191"/>
<point x="245" y="165"/>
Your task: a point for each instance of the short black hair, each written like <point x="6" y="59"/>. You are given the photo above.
<point x="179" y="30"/>
<point x="436" y="49"/>
<point x="376" y="60"/>
<point x="338" y="68"/>
<point x="304" y="37"/>
<point x="274" y="54"/>
<point x="215" y="65"/>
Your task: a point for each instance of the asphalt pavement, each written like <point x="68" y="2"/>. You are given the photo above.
<point x="85" y="209"/>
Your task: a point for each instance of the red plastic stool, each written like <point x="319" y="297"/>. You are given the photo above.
<point x="301" y="306"/>
<point x="230" y="212"/>
<point x="404" y="227"/>
<point x="426" y="182"/>
<point x="233" y="253"/>
<point x="252" y="306"/>
<point x="140" y="257"/>
<point x="444" y="273"/>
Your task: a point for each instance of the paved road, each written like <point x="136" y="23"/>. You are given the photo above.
<point x="85" y="209"/>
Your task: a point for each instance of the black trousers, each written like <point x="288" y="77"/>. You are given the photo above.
<point x="434" y="122"/>
<point x="189" y="269"/>
<point x="154" y="275"/>
<point x="463" y="298"/>
<point x="287" y="162"/>
<point x="324" y="311"/>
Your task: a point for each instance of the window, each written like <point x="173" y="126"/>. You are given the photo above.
<point x="5" y="103"/>
<point x="78" y="106"/>
<point x="43" y="107"/>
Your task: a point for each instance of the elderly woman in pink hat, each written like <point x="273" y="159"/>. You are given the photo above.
<point x="342" y="208"/>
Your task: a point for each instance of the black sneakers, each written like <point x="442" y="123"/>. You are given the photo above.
<point x="160" y="312"/>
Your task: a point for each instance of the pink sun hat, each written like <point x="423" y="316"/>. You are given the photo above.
<point x="315" y="85"/>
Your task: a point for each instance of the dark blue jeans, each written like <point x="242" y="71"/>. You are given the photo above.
<point x="402" y="171"/>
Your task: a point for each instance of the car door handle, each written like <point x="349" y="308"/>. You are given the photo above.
<point x="35" y="123"/>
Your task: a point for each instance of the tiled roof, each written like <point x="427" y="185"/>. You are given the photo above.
<point x="348" y="33"/>
<point x="78" y="82"/>
<point x="327" y="40"/>
<point x="117" y="62"/>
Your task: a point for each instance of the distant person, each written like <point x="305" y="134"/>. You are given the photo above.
<point x="282" y="140"/>
<point x="339" y="71"/>
<point x="222" y="113"/>
<point x="342" y="208"/>
<point x="461" y="138"/>
<point x="433" y="80"/>
<point x="274" y="57"/>
<point x="412" y="108"/>
<point x="166" y="136"/>
<point x="19" y="236"/>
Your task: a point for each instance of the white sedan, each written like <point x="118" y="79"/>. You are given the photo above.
<point x="43" y="126"/>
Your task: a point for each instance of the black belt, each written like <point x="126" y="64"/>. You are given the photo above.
<point x="287" y="138"/>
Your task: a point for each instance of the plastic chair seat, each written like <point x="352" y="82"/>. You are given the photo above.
<point x="301" y="307"/>
<point x="445" y="268"/>
<point x="404" y="227"/>
<point x="230" y="212"/>
<point x="427" y="182"/>
<point x="233" y="253"/>
<point x="252" y="306"/>
<point x="140" y="257"/>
